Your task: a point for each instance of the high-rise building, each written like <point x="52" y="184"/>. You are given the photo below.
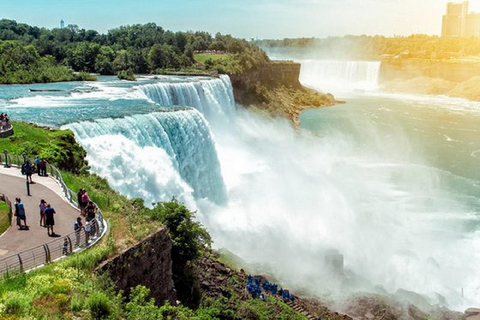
<point x="62" y="24"/>
<point x="458" y="22"/>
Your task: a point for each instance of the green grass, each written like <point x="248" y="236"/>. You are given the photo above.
<point x="26" y="136"/>
<point x="201" y="57"/>
<point x="4" y="219"/>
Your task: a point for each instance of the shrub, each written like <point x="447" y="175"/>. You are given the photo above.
<point x="99" y="305"/>
<point x="16" y="304"/>
<point x="126" y="75"/>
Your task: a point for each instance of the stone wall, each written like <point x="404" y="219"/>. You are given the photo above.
<point x="148" y="263"/>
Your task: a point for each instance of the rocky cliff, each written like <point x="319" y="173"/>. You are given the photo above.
<point x="275" y="88"/>
<point x="147" y="263"/>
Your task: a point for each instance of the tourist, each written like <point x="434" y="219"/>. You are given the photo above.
<point x="88" y="230"/>
<point x="42" y="206"/>
<point x="65" y="250"/>
<point x="28" y="169"/>
<point x="77" y="227"/>
<point x="90" y="211"/>
<point x="4" y="122"/>
<point x="50" y="220"/>
<point x="37" y="164"/>
<point x="84" y="200"/>
<point x="20" y="214"/>
<point x="79" y="199"/>
<point x="43" y="168"/>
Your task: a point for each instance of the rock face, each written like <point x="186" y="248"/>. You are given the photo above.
<point x="275" y="88"/>
<point x="148" y="263"/>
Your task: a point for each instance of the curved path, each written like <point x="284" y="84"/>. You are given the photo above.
<point x="13" y="185"/>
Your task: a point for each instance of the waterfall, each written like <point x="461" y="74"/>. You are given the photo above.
<point x="184" y="136"/>
<point x="340" y="76"/>
<point x="212" y="97"/>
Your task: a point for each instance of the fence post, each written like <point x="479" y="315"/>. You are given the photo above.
<point x="21" y="262"/>
<point x="47" y="253"/>
<point x="70" y="244"/>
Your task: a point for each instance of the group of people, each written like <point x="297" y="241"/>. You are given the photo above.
<point x="47" y="219"/>
<point x="41" y="166"/>
<point x="4" y="121"/>
<point x="87" y="208"/>
<point x="255" y="285"/>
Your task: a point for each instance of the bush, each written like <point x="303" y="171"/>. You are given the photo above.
<point x="126" y="75"/>
<point x="16" y="304"/>
<point x="99" y="305"/>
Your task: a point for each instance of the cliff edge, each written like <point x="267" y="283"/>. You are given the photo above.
<point x="275" y="88"/>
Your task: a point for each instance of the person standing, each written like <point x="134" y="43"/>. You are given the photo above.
<point x="28" y="171"/>
<point x="20" y="213"/>
<point x="77" y="227"/>
<point x="85" y="200"/>
<point x="42" y="206"/>
<point x="50" y="220"/>
<point x="37" y="165"/>
<point x="43" y="168"/>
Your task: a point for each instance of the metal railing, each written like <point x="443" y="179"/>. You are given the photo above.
<point x="64" y="245"/>
<point x="6" y="131"/>
<point x="50" y="251"/>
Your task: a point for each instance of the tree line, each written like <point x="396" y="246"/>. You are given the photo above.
<point x="147" y="48"/>
<point x="376" y="47"/>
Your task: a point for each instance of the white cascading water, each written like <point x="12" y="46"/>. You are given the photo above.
<point x="337" y="76"/>
<point x="181" y="141"/>
<point x="213" y="98"/>
<point x="283" y="198"/>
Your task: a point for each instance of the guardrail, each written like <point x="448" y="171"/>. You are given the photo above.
<point x="50" y="251"/>
<point x="6" y="132"/>
<point x="55" y="249"/>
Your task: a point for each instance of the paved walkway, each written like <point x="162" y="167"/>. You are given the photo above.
<point x="13" y="185"/>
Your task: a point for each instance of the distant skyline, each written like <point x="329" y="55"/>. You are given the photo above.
<point x="261" y="19"/>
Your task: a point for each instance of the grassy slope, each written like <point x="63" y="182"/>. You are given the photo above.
<point x="4" y="221"/>
<point x="202" y="57"/>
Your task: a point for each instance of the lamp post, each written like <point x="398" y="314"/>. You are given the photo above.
<point x="6" y="158"/>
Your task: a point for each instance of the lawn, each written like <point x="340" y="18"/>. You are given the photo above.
<point x="201" y="57"/>
<point x="4" y="221"/>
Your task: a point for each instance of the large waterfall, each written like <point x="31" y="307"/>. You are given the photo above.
<point x="383" y="182"/>
<point x="212" y="97"/>
<point x="340" y="76"/>
<point x="185" y="137"/>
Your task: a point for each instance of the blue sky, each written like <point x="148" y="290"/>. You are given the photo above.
<point x="242" y="18"/>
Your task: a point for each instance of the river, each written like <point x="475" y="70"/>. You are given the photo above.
<point x="390" y="182"/>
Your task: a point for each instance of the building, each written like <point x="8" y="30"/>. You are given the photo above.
<point x="62" y="24"/>
<point x="457" y="22"/>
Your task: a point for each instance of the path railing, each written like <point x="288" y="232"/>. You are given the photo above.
<point x="60" y="247"/>
<point x="50" y="251"/>
<point x="7" y="131"/>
